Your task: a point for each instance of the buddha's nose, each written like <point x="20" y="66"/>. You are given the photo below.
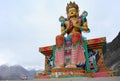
<point x="71" y="12"/>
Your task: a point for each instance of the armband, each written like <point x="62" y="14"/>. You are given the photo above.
<point x="81" y="28"/>
<point x="64" y="31"/>
<point x="88" y="30"/>
<point x="62" y="24"/>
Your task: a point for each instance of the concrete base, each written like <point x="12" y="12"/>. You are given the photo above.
<point x="74" y="79"/>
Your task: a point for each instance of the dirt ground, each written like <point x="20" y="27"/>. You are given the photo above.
<point x="74" y="79"/>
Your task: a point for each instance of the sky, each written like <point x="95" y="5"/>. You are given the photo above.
<point x="26" y="25"/>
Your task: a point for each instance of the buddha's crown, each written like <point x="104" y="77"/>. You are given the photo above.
<point x="72" y="5"/>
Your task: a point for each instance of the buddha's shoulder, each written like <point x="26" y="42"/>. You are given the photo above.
<point x="67" y="22"/>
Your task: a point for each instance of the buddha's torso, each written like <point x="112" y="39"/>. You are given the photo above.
<point x="76" y="22"/>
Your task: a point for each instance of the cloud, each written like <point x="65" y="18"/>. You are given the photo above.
<point x="6" y="56"/>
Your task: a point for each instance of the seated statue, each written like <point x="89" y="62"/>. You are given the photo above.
<point x="69" y="50"/>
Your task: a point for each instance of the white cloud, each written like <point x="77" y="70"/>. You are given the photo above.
<point x="6" y="56"/>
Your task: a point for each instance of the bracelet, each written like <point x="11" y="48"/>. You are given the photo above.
<point x="64" y="31"/>
<point x="81" y="28"/>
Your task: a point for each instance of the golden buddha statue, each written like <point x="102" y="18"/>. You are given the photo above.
<point x="70" y="51"/>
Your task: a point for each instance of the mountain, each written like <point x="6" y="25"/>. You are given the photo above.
<point x="112" y="55"/>
<point x="15" y="72"/>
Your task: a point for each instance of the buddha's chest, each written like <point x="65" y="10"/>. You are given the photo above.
<point x="73" y="23"/>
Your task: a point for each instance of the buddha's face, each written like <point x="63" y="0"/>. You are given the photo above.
<point x="72" y="12"/>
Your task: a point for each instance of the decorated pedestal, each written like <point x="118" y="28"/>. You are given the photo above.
<point x="97" y="44"/>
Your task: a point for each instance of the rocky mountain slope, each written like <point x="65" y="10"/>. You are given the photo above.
<point x="15" y="72"/>
<point x="112" y="55"/>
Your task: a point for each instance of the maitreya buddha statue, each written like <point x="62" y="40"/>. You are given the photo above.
<point x="69" y="50"/>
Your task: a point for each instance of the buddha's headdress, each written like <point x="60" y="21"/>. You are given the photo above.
<point x="72" y="5"/>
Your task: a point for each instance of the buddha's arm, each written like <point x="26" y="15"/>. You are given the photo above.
<point x="85" y="26"/>
<point x="63" y="30"/>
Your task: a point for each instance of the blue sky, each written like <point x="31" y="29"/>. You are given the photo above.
<point x="26" y="25"/>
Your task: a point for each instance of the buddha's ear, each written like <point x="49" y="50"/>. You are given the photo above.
<point x="68" y="16"/>
<point x="77" y="14"/>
